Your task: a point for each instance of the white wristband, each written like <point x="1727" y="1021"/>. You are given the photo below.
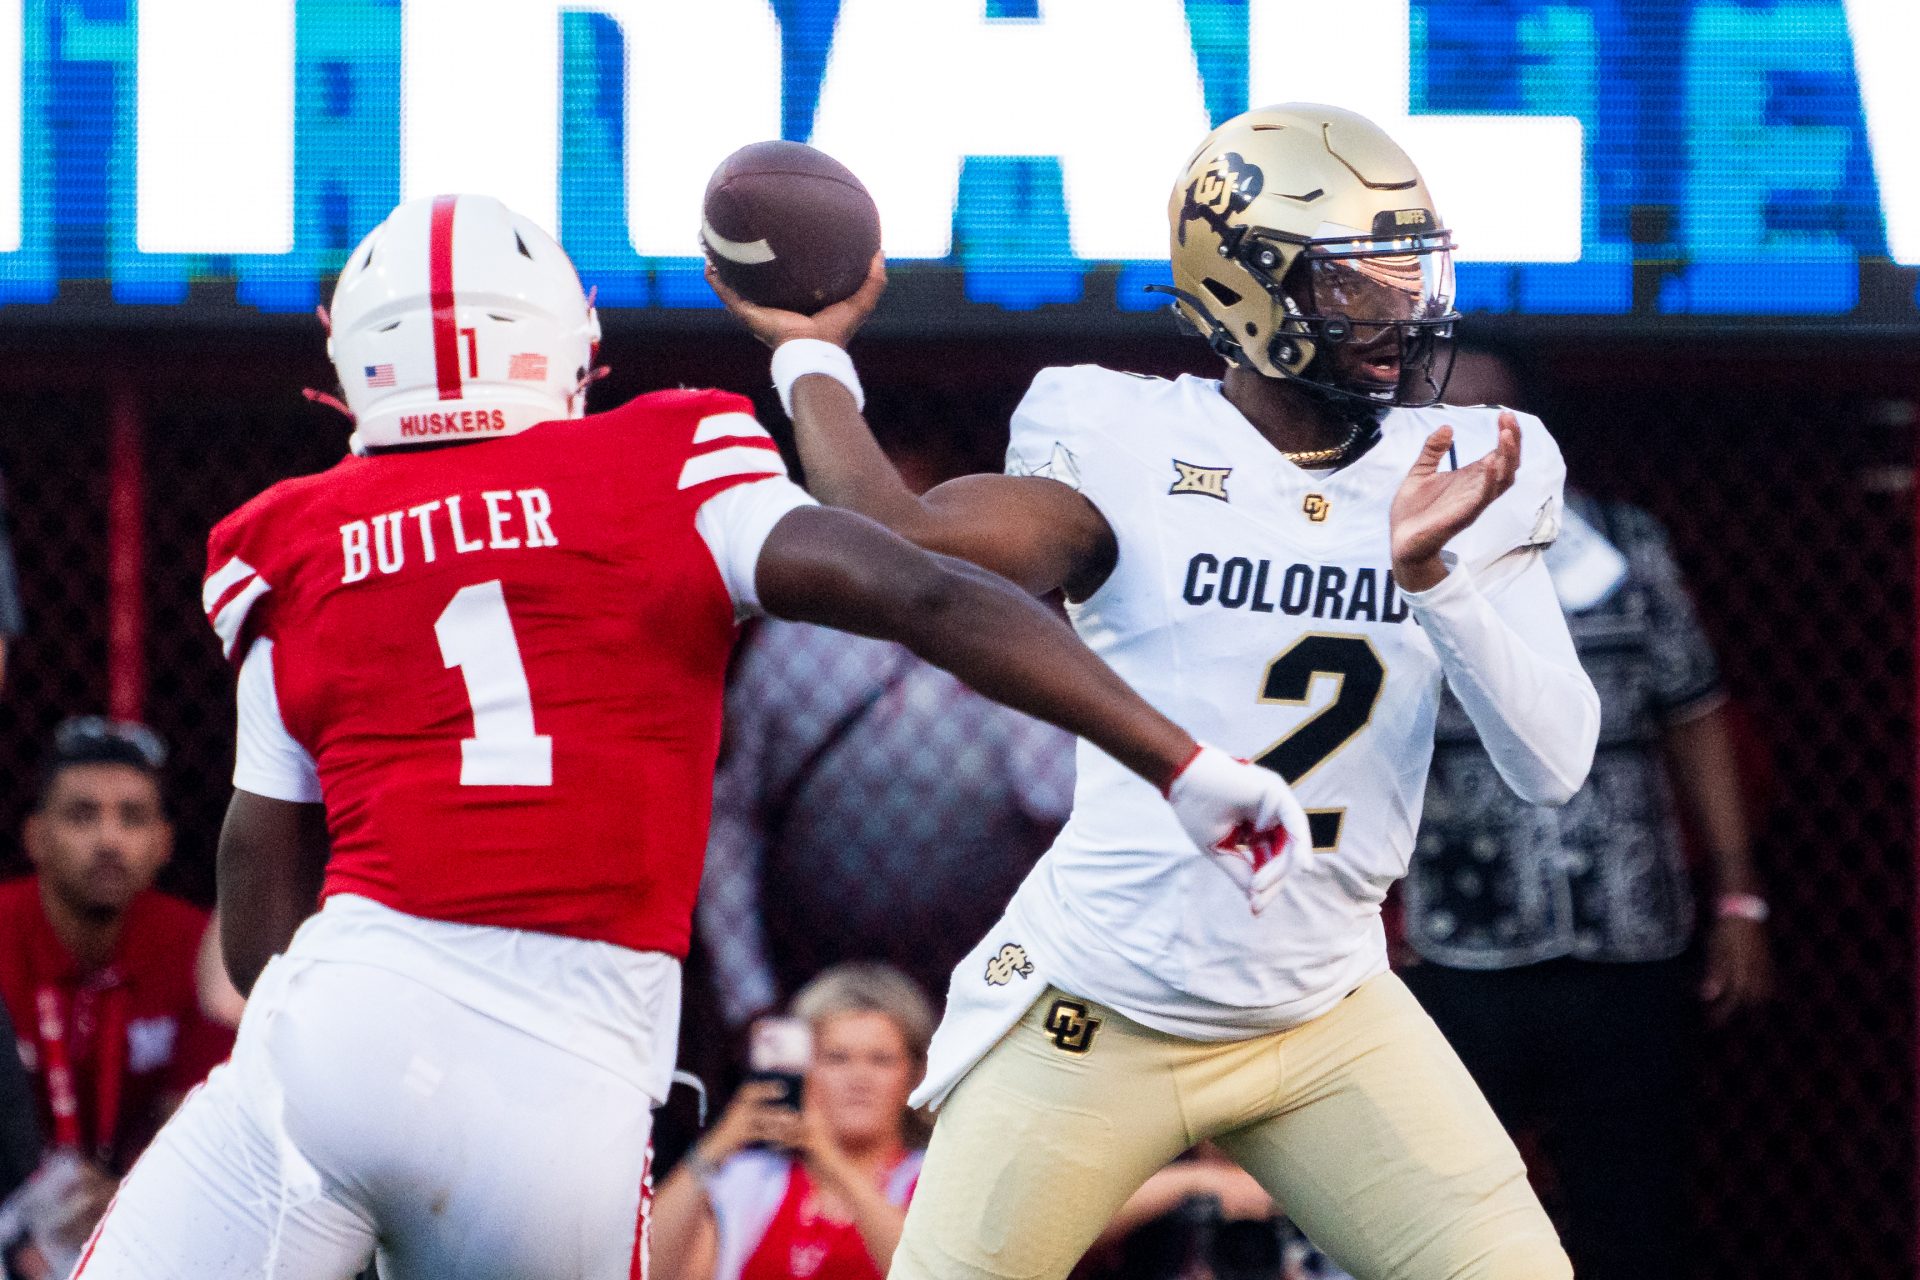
<point x="1742" y="906"/>
<point x="798" y="357"/>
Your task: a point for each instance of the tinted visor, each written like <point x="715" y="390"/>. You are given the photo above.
<point x="1380" y="311"/>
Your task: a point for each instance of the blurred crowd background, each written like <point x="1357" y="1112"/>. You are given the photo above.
<point x="1733" y="1093"/>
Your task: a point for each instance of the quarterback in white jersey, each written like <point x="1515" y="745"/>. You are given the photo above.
<point x="1291" y="559"/>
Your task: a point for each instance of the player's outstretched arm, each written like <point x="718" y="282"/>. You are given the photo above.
<point x="837" y="569"/>
<point x="272" y="859"/>
<point x="1506" y="652"/>
<point x="1036" y="532"/>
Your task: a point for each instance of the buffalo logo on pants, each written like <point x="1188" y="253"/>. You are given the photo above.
<point x="1012" y="962"/>
<point x="1071" y="1027"/>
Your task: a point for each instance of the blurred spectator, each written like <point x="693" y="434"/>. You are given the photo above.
<point x="220" y="1000"/>
<point x="895" y="809"/>
<point x="1205" y="1173"/>
<point x="1557" y="942"/>
<point x="821" y="1192"/>
<point x="1203" y="1218"/>
<point x="12" y="621"/>
<point x="97" y="974"/>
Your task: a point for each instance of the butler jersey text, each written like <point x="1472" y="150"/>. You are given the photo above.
<point x="506" y="662"/>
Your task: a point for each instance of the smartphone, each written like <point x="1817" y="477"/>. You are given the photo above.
<point x="781" y="1049"/>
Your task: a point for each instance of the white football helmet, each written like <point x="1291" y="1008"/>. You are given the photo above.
<point x="458" y="319"/>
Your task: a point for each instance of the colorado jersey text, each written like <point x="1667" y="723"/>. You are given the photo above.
<point x="1254" y="603"/>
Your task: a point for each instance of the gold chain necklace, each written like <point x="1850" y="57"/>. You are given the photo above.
<point x="1308" y="459"/>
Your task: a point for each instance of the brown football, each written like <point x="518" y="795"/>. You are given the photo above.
<point x="788" y="226"/>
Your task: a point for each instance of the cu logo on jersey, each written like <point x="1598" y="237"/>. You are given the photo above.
<point x="1071" y="1027"/>
<point x="1317" y="508"/>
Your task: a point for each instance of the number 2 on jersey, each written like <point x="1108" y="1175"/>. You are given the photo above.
<point x="1289" y="679"/>
<point x="476" y="635"/>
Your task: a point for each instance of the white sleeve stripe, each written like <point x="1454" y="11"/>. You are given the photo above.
<point x="227" y="623"/>
<point x="741" y="460"/>
<point x="226" y="576"/>
<point x="267" y="760"/>
<point x="722" y="425"/>
<point x="735" y="523"/>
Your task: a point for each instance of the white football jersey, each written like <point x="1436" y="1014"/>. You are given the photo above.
<point x="1253" y="603"/>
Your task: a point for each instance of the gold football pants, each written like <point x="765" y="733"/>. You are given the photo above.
<point x="1362" y="1123"/>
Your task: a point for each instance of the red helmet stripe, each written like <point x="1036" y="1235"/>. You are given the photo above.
<point x="446" y="341"/>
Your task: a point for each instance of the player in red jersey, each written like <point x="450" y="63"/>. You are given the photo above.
<point x="481" y="662"/>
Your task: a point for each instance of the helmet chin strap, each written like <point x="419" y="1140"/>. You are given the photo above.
<point x="1353" y="407"/>
<point x="587" y="379"/>
<point x="334" y="402"/>
<point x="1350" y="407"/>
<point x="1217" y="335"/>
<point x="328" y="399"/>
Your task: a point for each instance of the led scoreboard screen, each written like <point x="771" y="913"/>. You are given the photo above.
<point x="1725" y="160"/>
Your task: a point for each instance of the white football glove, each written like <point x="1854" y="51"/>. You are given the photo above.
<point x="1244" y="818"/>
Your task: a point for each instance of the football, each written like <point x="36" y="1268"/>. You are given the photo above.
<point x="788" y="226"/>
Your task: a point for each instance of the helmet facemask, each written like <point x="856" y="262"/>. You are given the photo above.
<point x="1367" y="318"/>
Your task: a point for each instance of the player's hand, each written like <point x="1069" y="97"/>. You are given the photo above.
<point x="1244" y="818"/>
<point x="1739" y="969"/>
<point x="1433" y="506"/>
<point x="836" y="324"/>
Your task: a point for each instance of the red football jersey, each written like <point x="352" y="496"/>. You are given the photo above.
<point x="506" y="660"/>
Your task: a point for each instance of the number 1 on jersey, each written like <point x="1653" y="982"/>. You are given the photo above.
<point x="476" y="635"/>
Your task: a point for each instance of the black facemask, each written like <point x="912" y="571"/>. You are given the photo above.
<point x="1378" y="312"/>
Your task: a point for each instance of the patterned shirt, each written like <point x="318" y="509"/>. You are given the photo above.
<point x="1497" y="882"/>
<point x="867" y="806"/>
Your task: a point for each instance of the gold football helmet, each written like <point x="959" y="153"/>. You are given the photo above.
<point x="1305" y="245"/>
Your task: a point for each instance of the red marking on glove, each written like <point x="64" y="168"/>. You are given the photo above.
<point x="1261" y="847"/>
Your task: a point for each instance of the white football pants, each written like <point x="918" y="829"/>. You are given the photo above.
<point x="363" y="1112"/>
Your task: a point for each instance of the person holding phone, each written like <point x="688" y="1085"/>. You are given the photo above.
<point x="816" y="1185"/>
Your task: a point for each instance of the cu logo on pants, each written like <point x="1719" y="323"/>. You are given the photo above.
<point x="1071" y="1027"/>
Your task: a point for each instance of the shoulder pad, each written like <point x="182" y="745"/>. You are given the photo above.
<point x="237" y="579"/>
<point x="1528" y="514"/>
<point x="1064" y="418"/>
<point x="703" y="437"/>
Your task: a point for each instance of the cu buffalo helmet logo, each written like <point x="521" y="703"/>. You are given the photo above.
<point x="1071" y="1026"/>
<point x="1225" y="187"/>
<point x="1012" y="962"/>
